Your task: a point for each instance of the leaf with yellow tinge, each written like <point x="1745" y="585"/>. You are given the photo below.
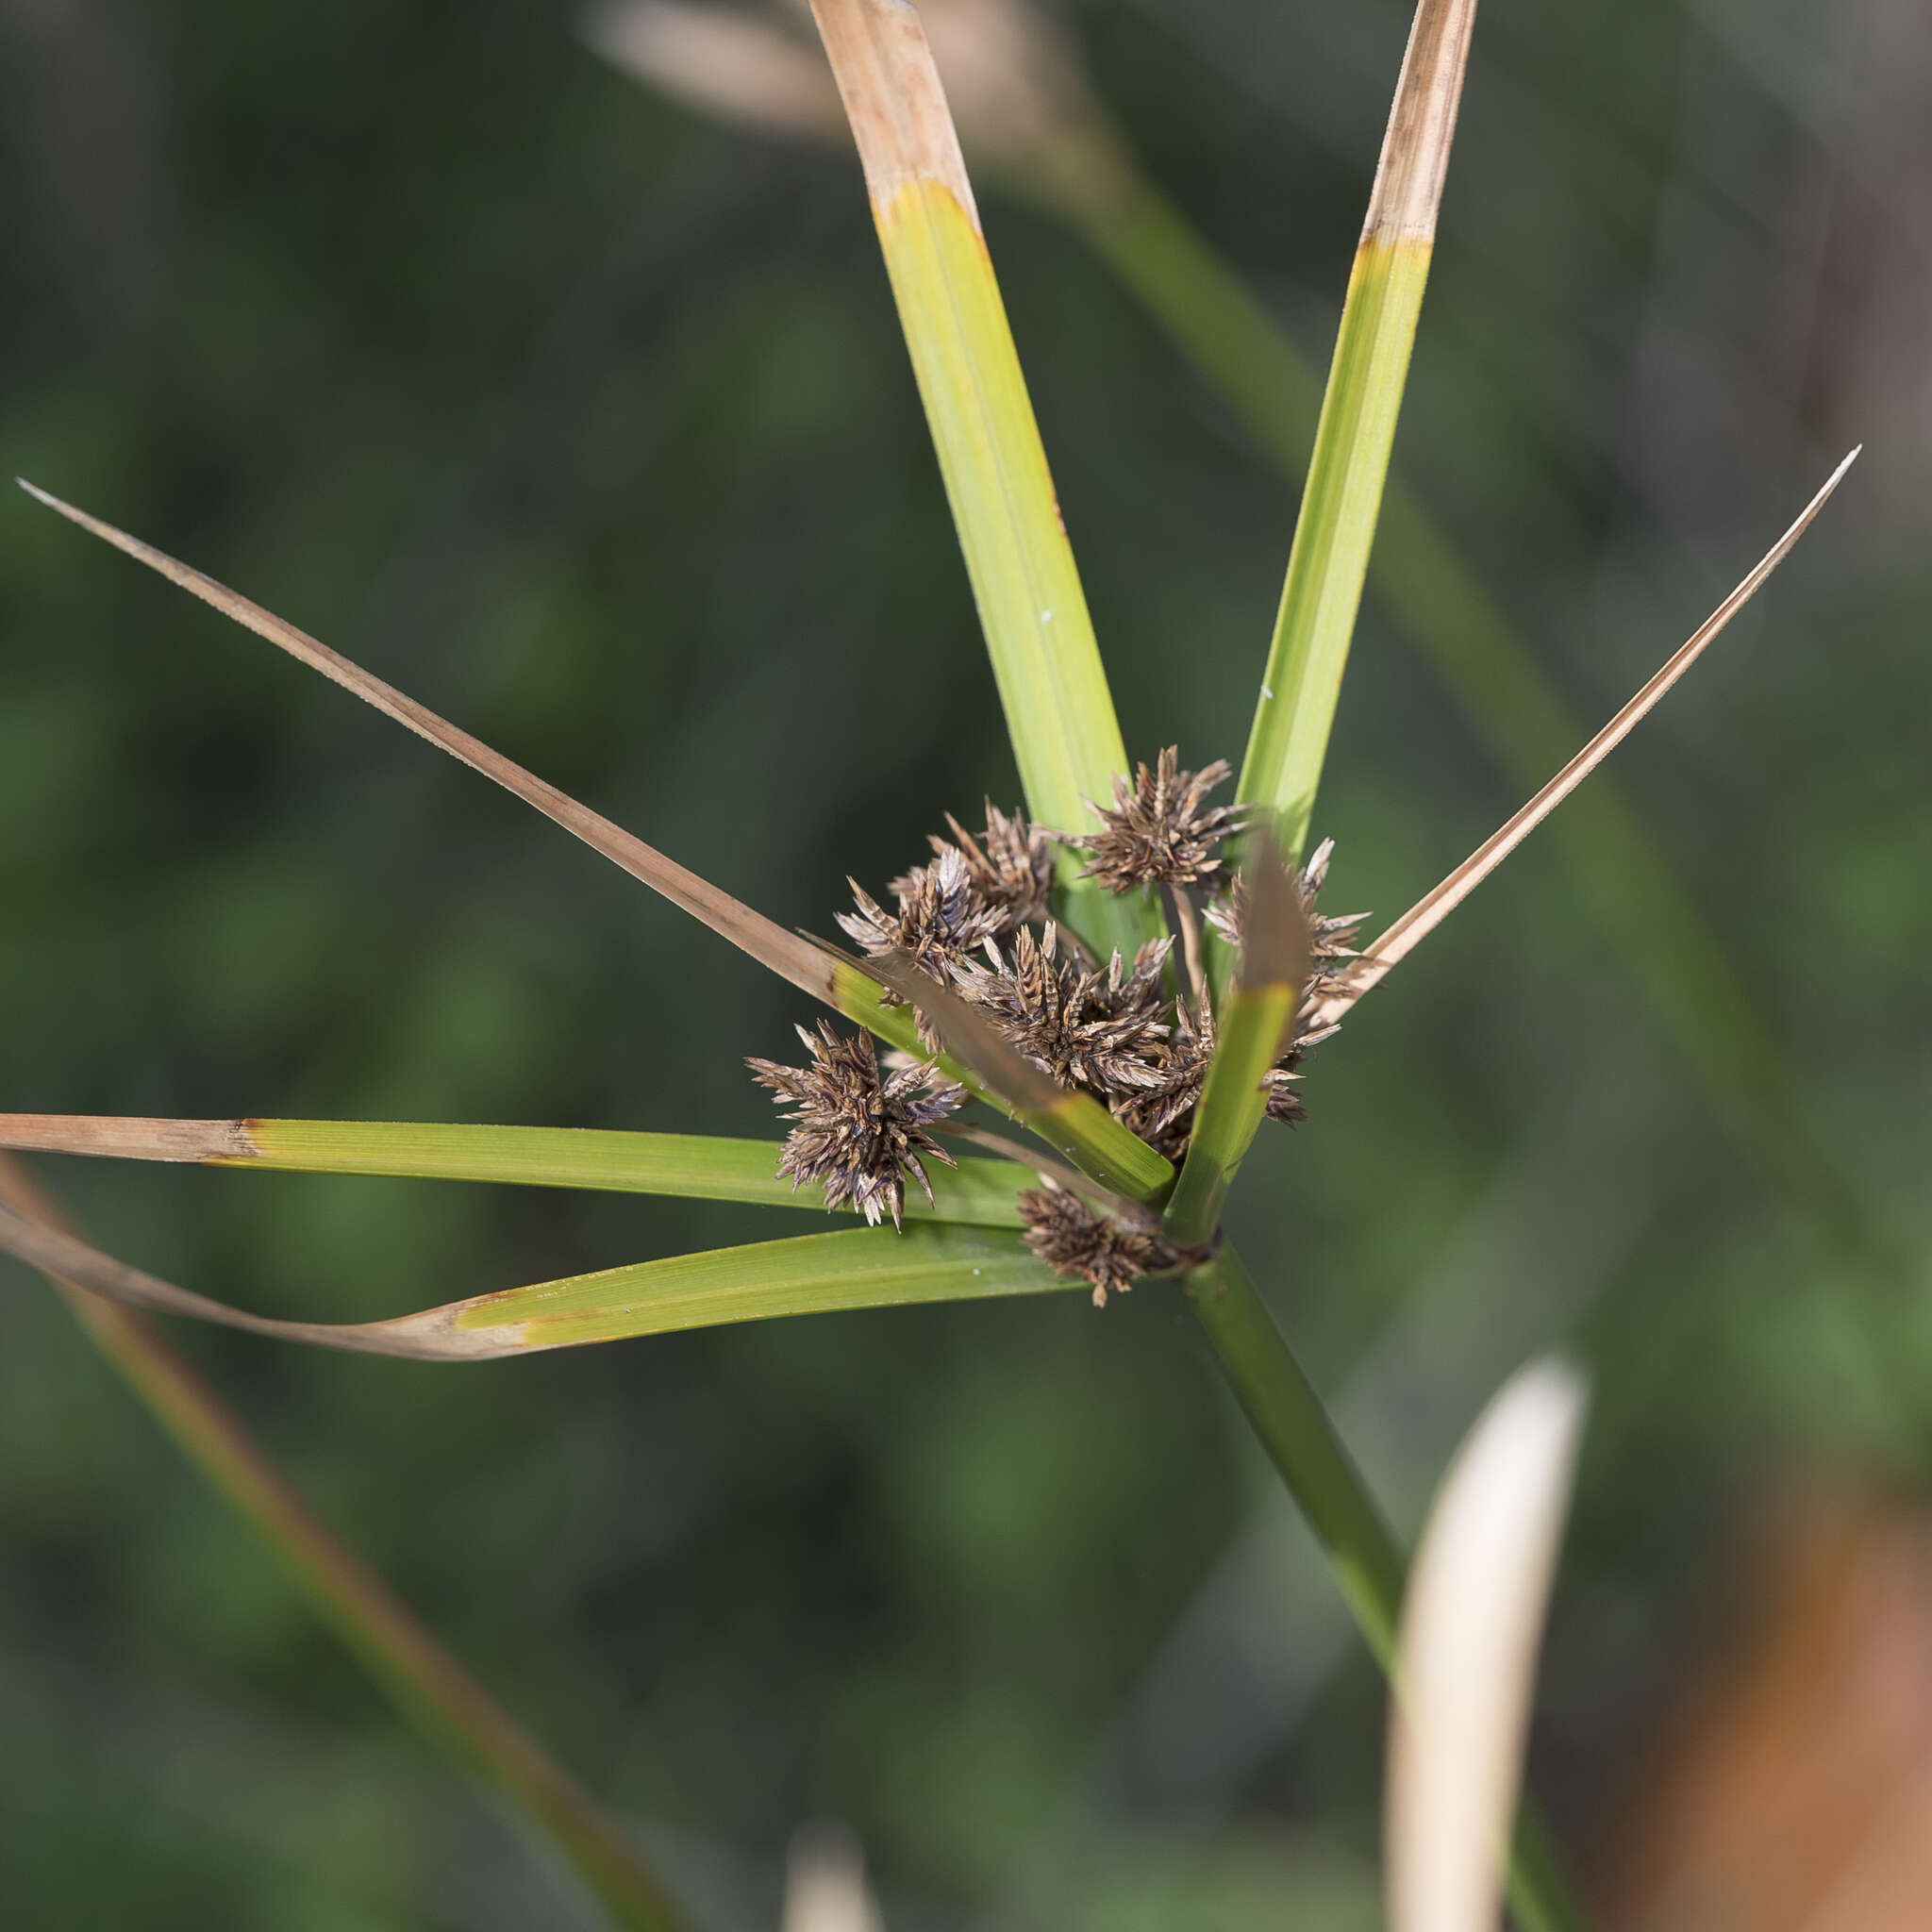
<point x="856" y="1268"/>
<point x="1336" y="525"/>
<point x="697" y="1167"/>
<point x="1053" y="687"/>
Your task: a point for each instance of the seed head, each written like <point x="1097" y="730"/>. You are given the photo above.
<point x="1161" y="831"/>
<point x="1085" y="1026"/>
<point x="858" y="1135"/>
<point x="1010" y="866"/>
<point x="1162" y="1114"/>
<point x="1072" y="1239"/>
<point x="940" y="918"/>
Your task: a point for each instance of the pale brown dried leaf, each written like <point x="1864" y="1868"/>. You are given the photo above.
<point x="1428" y="912"/>
<point x="787" y="954"/>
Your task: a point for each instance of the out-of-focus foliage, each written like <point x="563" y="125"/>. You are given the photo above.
<point x="591" y="425"/>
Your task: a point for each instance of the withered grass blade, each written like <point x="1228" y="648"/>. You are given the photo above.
<point x="1288" y="739"/>
<point x="1073" y="1123"/>
<point x="1254" y="1026"/>
<point x="1466" y="1660"/>
<point x="432" y="1689"/>
<point x="857" y="1268"/>
<point x="696" y="1167"/>
<point x="785" y="952"/>
<point x="1428" y="912"/>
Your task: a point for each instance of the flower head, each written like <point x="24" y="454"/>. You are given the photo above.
<point x="1087" y="1026"/>
<point x="1071" y="1239"/>
<point x="940" y="916"/>
<point x="1161" y="831"/>
<point x="856" y="1133"/>
<point x="1009" y="865"/>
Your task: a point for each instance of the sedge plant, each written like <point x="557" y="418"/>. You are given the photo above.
<point x="1072" y="1022"/>
<point x="1030" y="116"/>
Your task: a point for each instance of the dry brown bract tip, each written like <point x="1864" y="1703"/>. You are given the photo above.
<point x="857" y="1134"/>
<point x="1073" y="1240"/>
<point x="1161" y="830"/>
<point x="1331" y="942"/>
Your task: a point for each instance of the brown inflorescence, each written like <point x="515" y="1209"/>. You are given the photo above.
<point x="1160" y="830"/>
<point x="1073" y="1238"/>
<point x="857" y="1134"/>
<point x="977" y="919"/>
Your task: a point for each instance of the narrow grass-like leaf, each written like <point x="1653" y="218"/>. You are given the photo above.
<point x="1467" y="1659"/>
<point x="1428" y="912"/>
<point x="1059" y="712"/>
<point x="1251" y="1028"/>
<point x="1074" y="1124"/>
<point x="697" y="1167"/>
<point x="858" y="1268"/>
<point x="785" y="953"/>
<point x="1337" y="524"/>
<point x="431" y="1686"/>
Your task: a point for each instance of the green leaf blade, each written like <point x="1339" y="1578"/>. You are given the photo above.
<point x="696" y="1167"/>
<point x="856" y="1268"/>
<point x="1356" y="435"/>
<point x="1038" y="634"/>
<point x="1315" y="623"/>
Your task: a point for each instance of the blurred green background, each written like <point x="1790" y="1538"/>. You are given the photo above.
<point x="588" y="422"/>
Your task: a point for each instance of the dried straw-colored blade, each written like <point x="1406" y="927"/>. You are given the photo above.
<point x="858" y="1268"/>
<point x="696" y="1167"/>
<point x="1254" y="1024"/>
<point x="1466" y="1662"/>
<point x="785" y="952"/>
<point x="738" y="65"/>
<point x="431" y="1688"/>
<point x="1053" y="687"/>
<point x="1073" y="1123"/>
<point x="1428" y="912"/>
<point x="1289" y="741"/>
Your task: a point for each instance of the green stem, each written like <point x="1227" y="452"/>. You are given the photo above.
<point x="433" y="1689"/>
<point x="1301" y="1443"/>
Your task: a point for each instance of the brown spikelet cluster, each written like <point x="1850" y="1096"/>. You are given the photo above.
<point x="857" y="1134"/>
<point x="1085" y="1026"/>
<point x="978" y="919"/>
<point x="940" y="917"/>
<point x="1010" y="866"/>
<point x="1161" y="831"/>
<point x="1075" y="1239"/>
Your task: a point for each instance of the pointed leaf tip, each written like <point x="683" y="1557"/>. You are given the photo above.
<point x="1401" y="938"/>
<point x="783" y="953"/>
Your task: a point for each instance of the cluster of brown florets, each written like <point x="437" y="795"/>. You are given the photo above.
<point x="978" y="920"/>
